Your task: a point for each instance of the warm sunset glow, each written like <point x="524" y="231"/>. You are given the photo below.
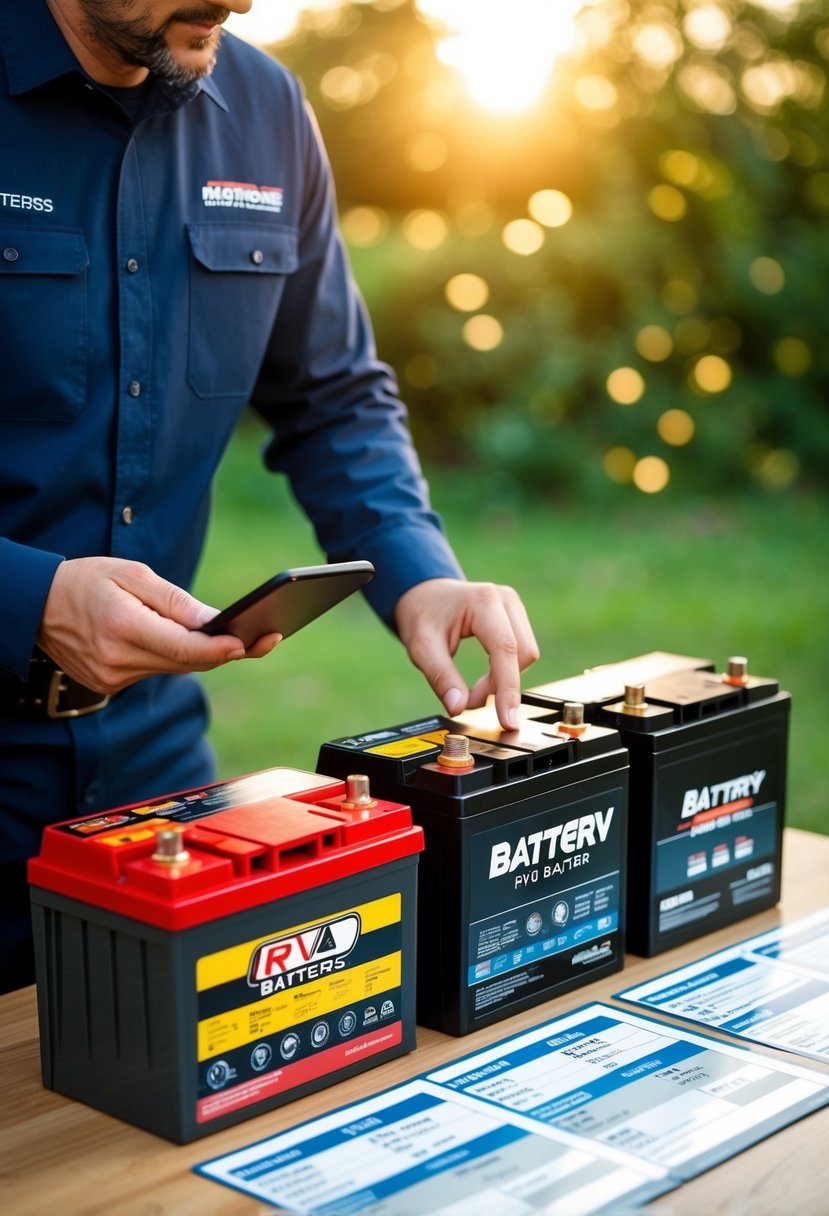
<point x="266" y="22"/>
<point x="505" y="53"/>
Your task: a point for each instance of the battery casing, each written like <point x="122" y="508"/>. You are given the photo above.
<point x="521" y="884"/>
<point x="708" y="765"/>
<point x="272" y="956"/>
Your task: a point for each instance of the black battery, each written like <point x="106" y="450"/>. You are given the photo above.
<point x="521" y="885"/>
<point x="708" y="753"/>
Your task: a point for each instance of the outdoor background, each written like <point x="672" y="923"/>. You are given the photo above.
<point x="594" y="239"/>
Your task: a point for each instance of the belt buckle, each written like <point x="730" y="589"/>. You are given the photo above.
<point x="56" y="689"/>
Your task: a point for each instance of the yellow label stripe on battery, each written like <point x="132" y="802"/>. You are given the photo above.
<point x="402" y="747"/>
<point x="233" y="963"/>
<point x="435" y="737"/>
<point x="280" y="1010"/>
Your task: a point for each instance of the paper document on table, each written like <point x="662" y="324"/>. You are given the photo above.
<point x="418" y="1150"/>
<point x="771" y="989"/>
<point x="598" y="1108"/>
<point x="666" y="1096"/>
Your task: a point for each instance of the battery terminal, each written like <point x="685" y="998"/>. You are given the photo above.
<point x="170" y="850"/>
<point x="357" y="795"/>
<point x="737" y="671"/>
<point x="572" y="719"/>
<point x="456" y="752"/>
<point x="634" y="702"/>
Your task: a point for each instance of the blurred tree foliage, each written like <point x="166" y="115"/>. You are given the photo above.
<point x="673" y="186"/>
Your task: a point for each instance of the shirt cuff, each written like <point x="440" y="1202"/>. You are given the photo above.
<point x="25" y="578"/>
<point x="402" y="558"/>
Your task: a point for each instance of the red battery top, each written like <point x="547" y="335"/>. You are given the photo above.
<point x="192" y="857"/>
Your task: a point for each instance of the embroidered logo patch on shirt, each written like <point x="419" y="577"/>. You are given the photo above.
<point x="242" y="194"/>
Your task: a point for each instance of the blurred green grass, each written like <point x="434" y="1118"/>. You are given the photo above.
<point x="702" y="577"/>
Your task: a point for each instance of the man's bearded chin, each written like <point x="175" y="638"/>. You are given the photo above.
<point x="164" y="64"/>
<point x="135" y="42"/>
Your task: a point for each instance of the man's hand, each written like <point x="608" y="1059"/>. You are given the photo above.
<point x="109" y="622"/>
<point x="433" y="618"/>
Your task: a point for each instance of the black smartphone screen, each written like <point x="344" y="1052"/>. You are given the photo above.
<point x="290" y="600"/>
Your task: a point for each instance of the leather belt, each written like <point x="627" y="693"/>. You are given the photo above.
<point x="48" y="692"/>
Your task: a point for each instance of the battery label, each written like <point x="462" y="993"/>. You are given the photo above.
<point x="300" y="1003"/>
<point x="718" y="827"/>
<point x="407" y="747"/>
<point x="193" y="805"/>
<point x="545" y="899"/>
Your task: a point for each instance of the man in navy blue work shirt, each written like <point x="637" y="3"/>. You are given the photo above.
<point x="168" y="255"/>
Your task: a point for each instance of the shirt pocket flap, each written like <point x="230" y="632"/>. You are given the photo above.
<point x="262" y="248"/>
<point x="42" y="251"/>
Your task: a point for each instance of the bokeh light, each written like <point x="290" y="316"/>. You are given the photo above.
<point x="425" y="229"/>
<point x="711" y="374"/>
<point x="654" y="343"/>
<point x="708" y="87"/>
<point x="483" y="332"/>
<point x="651" y="474"/>
<point x="657" y="43"/>
<point x="777" y="469"/>
<point x="467" y="292"/>
<point x="524" y="237"/>
<point x="680" y="166"/>
<point x="552" y="208"/>
<point x="364" y="226"/>
<point x="792" y="356"/>
<point x="767" y="276"/>
<point x="679" y="296"/>
<point x="594" y="92"/>
<point x="619" y="463"/>
<point x="667" y="202"/>
<point x="625" y="385"/>
<point x="676" y="427"/>
<point x="708" y="27"/>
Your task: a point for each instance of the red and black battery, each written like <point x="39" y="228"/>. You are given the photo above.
<point x="211" y="954"/>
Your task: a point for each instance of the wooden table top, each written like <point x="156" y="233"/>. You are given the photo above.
<point x="57" y="1155"/>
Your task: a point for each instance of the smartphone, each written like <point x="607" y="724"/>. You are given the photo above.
<point x="290" y="600"/>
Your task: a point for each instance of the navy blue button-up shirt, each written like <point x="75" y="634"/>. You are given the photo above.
<point x="164" y="263"/>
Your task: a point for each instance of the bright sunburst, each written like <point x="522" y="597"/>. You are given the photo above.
<point x="504" y="49"/>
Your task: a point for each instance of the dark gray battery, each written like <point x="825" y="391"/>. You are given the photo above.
<point x="708" y="758"/>
<point x="521" y="885"/>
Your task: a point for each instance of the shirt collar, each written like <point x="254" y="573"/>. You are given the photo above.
<point x="32" y="46"/>
<point x="35" y="51"/>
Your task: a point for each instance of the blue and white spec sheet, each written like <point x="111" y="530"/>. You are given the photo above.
<point x="418" y="1150"/>
<point x="595" y="1109"/>
<point x="614" y="1078"/>
<point x="772" y="989"/>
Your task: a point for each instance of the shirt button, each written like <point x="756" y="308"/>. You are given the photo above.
<point x="134" y="389"/>
<point x="132" y="265"/>
<point x="10" y="254"/>
<point x="257" y="257"/>
<point x="127" y="515"/>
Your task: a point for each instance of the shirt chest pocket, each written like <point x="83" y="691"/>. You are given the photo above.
<point x="43" y="323"/>
<point x="237" y="275"/>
